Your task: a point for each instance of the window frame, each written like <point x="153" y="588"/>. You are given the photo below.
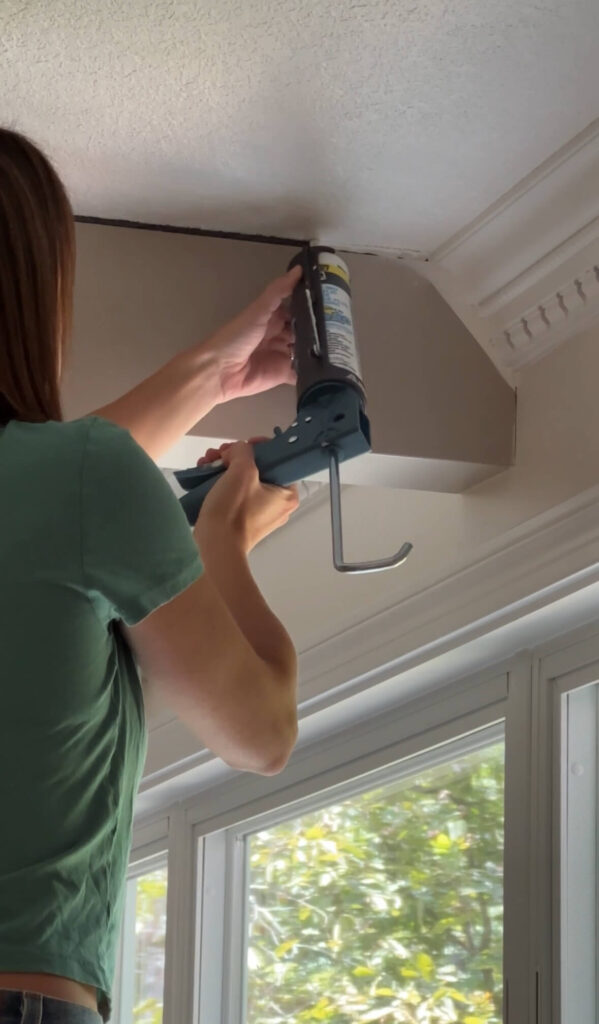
<point x="564" y="670"/>
<point x="419" y="731"/>
<point x="236" y="905"/>
<point x="148" y="855"/>
<point x="519" y="690"/>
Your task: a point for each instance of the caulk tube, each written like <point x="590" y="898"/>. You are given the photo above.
<point x="342" y="350"/>
<point x="326" y="354"/>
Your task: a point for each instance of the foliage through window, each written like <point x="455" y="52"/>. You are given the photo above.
<point x="144" y="934"/>
<point x="386" y="907"/>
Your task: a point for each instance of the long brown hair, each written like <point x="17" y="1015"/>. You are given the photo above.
<point x="37" y="268"/>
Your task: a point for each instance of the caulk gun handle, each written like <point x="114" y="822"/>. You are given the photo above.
<point x="193" y="500"/>
<point x="199" y="480"/>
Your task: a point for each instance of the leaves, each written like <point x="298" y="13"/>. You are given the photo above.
<point x="285" y="947"/>
<point x="441" y="842"/>
<point x="386" y="907"/>
<point x="150" y="932"/>
<point x="425" y="965"/>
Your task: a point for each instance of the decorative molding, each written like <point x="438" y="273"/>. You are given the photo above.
<point x="511" y="576"/>
<point x="546" y="325"/>
<point x="550" y="557"/>
<point x="527" y="264"/>
<point x="539" y="271"/>
<point x="589" y="137"/>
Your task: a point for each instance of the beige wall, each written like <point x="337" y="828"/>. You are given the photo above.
<point x="133" y="313"/>
<point x="557" y="459"/>
<point x="144" y="295"/>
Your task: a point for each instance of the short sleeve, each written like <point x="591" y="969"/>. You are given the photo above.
<point x="137" y="549"/>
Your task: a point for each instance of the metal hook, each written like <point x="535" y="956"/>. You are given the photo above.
<point x="340" y="565"/>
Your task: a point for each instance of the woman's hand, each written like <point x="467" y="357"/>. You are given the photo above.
<point x="253" y="351"/>
<point x="239" y="505"/>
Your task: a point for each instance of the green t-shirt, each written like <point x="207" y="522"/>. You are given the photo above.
<point x="90" y="533"/>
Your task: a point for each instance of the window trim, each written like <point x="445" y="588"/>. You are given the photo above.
<point x="518" y="688"/>
<point x="479" y="705"/>
<point x="236" y="838"/>
<point x="151" y="859"/>
<point x="566" y="669"/>
<point x="425" y="721"/>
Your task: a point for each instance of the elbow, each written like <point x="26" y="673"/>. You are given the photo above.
<point x="272" y="757"/>
<point x="284" y="733"/>
<point x="271" y="731"/>
<point x="278" y="762"/>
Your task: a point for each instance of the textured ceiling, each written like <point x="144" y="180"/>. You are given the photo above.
<point x="386" y="123"/>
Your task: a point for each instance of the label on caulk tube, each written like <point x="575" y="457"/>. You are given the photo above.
<point x="341" y="341"/>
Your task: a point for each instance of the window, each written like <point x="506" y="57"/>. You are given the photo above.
<point x="397" y="871"/>
<point x="384" y="906"/>
<point x="139" y="991"/>
<point x="579" y="854"/>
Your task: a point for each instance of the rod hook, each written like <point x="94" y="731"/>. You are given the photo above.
<point x="353" y="567"/>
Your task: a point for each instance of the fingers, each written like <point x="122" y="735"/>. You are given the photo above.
<point x="217" y="454"/>
<point x="282" y="287"/>
<point x="277" y="364"/>
<point x="277" y="323"/>
<point x="285" y="333"/>
<point x="291" y="494"/>
<point x="277" y="291"/>
<point x="238" y="453"/>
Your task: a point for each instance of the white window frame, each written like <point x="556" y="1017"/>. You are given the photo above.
<point x="149" y="851"/>
<point x="234" y="999"/>
<point x="559" y="674"/>
<point x="206" y="880"/>
<point x="205" y="832"/>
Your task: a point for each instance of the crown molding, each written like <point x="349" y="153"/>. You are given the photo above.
<point x="550" y="557"/>
<point x="528" y="266"/>
<point x="540" y="328"/>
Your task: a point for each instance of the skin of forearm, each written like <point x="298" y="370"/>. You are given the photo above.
<point x="227" y="566"/>
<point x="164" y="407"/>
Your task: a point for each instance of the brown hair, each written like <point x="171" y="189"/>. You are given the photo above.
<point x="37" y="268"/>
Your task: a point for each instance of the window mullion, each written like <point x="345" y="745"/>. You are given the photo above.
<point x="124" y="994"/>
<point x="180" y="921"/>
<point x="518" y="854"/>
<point x="236" y="897"/>
<point x="212" y="966"/>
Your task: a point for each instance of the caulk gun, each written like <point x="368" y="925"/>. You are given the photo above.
<point x="331" y="425"/>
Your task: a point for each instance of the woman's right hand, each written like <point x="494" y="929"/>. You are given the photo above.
<point x="239" y="504"/>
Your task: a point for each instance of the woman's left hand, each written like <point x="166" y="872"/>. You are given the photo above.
<point x="253" y="351"/>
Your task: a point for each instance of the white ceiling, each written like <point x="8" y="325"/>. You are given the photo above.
<point x="371" y="123"/>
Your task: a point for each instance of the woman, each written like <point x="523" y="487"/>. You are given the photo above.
<point x="100" y="573"/>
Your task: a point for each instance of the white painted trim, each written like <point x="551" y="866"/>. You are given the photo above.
<point x="570" y="667"/>
<point x="518" y="263"/>
<point x="235" y="959"/>
<point x="586" y="138"/>
<point x="363" y="747"/>
<point x="541" y="328"/>
<point x="545" y="561"/>
<point x="400" y="768"/>
<point x="212" y="929"/>
<point x="149" y="839"/>
<point x="319" y="771"/>
<point x="181" y="896"/>
<point x="576" y="842"/>
<point x="529" y="567"/>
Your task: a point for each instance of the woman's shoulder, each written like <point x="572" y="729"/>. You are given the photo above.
<point x="72" y="433"/>
<point x="72" y="444"/>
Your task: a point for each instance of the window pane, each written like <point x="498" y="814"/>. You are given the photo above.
<point x="579" y="855"/>
<point x="144" y="933"/>
<point x="385" y="907"/>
